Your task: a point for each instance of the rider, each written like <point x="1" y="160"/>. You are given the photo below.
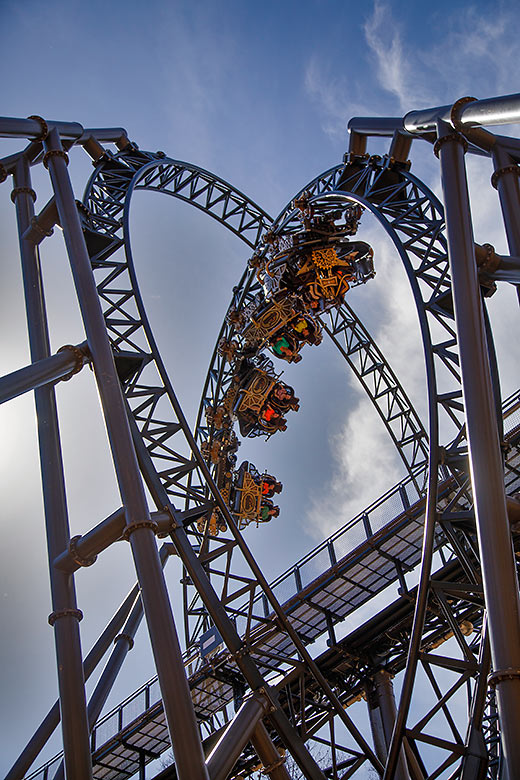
<point x="281" y="346"/>
<point x="268" y="510"/>
<point x="282" y="395"/>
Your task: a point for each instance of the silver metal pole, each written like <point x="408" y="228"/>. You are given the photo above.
<point x="274" y="763"/>
<point x="66" y="362"/>
<point x="386" y="701"/>
<point x="65" y="616"/>
<point x="505" y="179"/>
<point x="178" y="707"/>
<point x="487" y="478"/>
<point x="52" y="719"/>
<point x="491" y="111"/>
<point x="123" y="642"/>
<point x="227" y="751"/>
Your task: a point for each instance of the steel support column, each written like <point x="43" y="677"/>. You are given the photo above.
<point x="505" y="178"/>
<point x="376" y="724"/>
<point x="274" y="763"/>
<point x="65" y="616"/>
<point x="123" y="642"/>
<point x="227" y="751"/>
<point x="498" y="566"/>
<point x="384" y="691"/>
<point x="52" y="719"/>
<point x="180" y="716"/>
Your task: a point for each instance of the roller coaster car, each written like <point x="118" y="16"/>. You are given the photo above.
<point x="219" y="418"/>
<point x="221" y="448"/>
<point x="251" y="496"/>
<point x="261" y="401"/>
<point x="215" y="524"/>
<point x="248" y="495"/>
<point x="280" y="325"/>
<point x="319" y="263"/>
<point x="324" y="274"/>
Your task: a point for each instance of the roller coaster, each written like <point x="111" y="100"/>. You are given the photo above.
<point x="249" y="690"/>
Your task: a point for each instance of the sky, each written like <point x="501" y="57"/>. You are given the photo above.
<point x="260" y="94"/>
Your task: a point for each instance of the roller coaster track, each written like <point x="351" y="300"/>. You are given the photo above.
<point x="412" y="217"/>
<point x="268" y="631"/>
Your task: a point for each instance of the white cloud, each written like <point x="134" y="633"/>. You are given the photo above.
<point x="395" y="66"/>
<point x="335" y="96"/>
<point x="474" y="53"/>
<point x="479" y="53"/>
<point x="366" y="463"/>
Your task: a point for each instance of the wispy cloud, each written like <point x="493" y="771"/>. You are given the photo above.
<point x="340" y="97"/>
<point x="394" y="58"/>
<point x="335" y="95"/>
<point x="475" y="52"/>
<point x="366" y="462"/>
<point x="479" y="53"/>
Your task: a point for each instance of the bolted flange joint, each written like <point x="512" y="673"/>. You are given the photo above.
<point x="55" y="153"/>
<point x="22" y="191"/>
<point x="43" y="124"/>
<point x="502" y="674"/>
<point x="62" y="613"/>
<point x="76" y="557"/>
<point x="456" y="111"/>
<point x="502" y="172"/>
<point x="127" y="638"/>
<point x="129" y="529"/>
<point x="80" y="358"/>
<point x="449" y="138"/>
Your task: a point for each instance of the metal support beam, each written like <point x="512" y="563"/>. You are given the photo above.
<point x="384" y="691"/>
<point x="227" y="751"/>
<point x="178" y="706"/>
<point x="274" y="763"/>
<point x="67" y="361"/>
<point x="65" y="616"/>
<point x="380" y="126"/>
<point x="123" y="642"/>
<point x="400" y="146"/>
<point x="497" y="559"/>
<point x="43" y="224"/>
<point x="52" y="719"/>
<point x="35" y="128"/>
<point x="475" y="762"/>
<point x="491" y="111"/>
<point x="83" y="549"/>
<point x="505" y="179"/>
<point x="376" y="723"/>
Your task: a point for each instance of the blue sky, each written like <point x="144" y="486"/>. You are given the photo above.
<point x="259" y="93"/>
